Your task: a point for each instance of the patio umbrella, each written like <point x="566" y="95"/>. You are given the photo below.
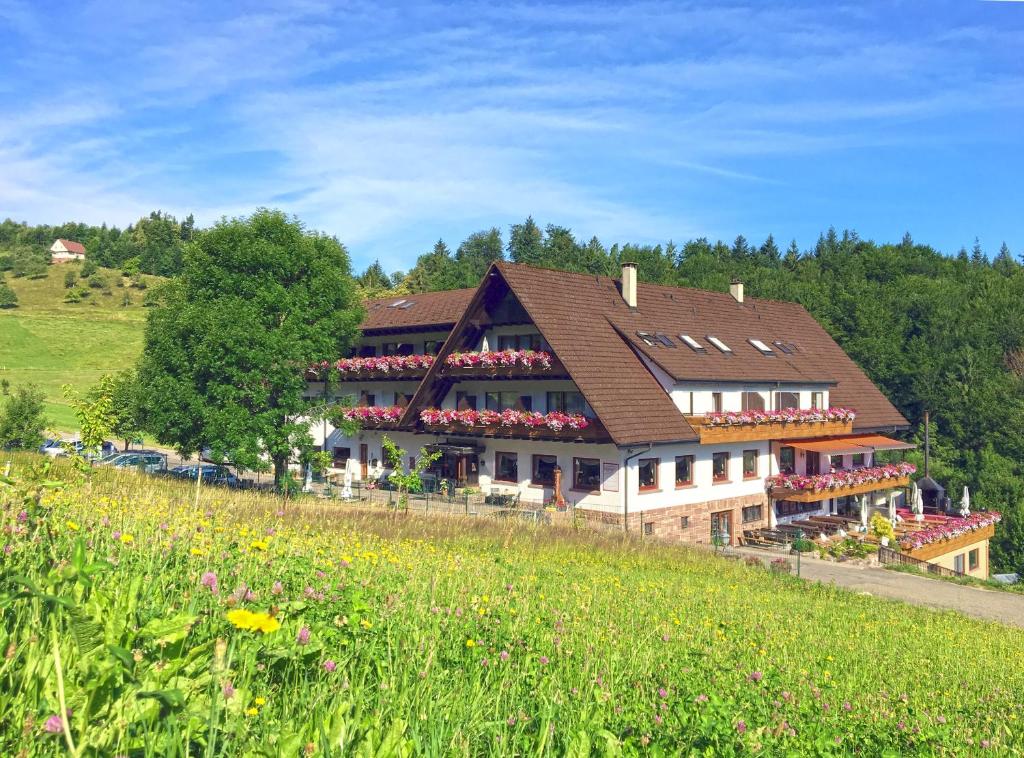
<point x="864" y="511"/>
<point x="773" y="520"/>
<point x="892" y="507"/>
<point x="965" y="503"/>
<point x="917" y="503"/>
<point x="346" y="492"/>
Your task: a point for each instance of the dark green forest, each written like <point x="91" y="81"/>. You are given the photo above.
<point x="942" y="333"/>
<point x="936" y="331"/>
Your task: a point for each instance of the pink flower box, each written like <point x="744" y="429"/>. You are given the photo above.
<point x="532" y="359"/>
<point x="840" y="479"/>
<point x="785" y="416"/>
<point x="555" y="420"/>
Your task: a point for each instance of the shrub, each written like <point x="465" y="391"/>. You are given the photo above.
<point x="88" y="269"/>
<point x="98" y="282"/>
<point x="803" y="545"/>
<point x="70" y="277"/>
<point x="8" y="297"/>
<point x="882" y="527"/>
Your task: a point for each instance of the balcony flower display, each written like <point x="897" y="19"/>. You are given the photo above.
<point x="384" y="364"/>
<point x="534" y="359"/>
<point x="784" y="416"/>
<point x="951" y="528"/>
<point x="841" y="478"/>
<point x="555" y="420"/>
<point x="372" y="414"/>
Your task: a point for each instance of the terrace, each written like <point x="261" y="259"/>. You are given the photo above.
<point x="843" y="483"/>
<point x="786" y="424"/>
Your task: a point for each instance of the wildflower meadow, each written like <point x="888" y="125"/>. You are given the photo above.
<point x="138" y="622"/>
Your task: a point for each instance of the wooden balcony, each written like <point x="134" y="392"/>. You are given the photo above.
<point x="407" y="374"/>
<point x="555" y="371"/>
<point x="934" y="549"/>
<point x="595" y="432"/>
<point x="778" y="430"/>
<point x="810" y="496"/>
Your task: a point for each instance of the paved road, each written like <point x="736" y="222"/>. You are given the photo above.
<point x="991" y="605"/>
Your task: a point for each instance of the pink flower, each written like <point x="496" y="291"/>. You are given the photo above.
<point x="277" y="589"/>
<point x="54" y="725"/>
<point x="741" y="726"/>
<point x="503" y="655"/>
<point x="210" y="580"/>
<point x="662" y="692"/>
<point x="756" y="676"/>
<point x="330" y="665"/>
<point x="701" y="698"/>
<point x="228" y="690"/>
<point x="543" y="660"/>
<point x="303" y="637"/>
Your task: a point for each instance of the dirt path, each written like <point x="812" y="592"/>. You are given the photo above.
<point x="991" y="605"/>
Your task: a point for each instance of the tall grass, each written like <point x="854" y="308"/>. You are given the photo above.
<point x="392" y="634"/>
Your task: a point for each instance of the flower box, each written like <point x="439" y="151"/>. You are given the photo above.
<point x="371" y="415"/>
<point x="809" y="489"/>
<point x="790" y="423"/>
<point x="504" y="363"/>
<point x="511" y="423"/>
<point x="375" y="367"/>
<point x="977" y="526"/>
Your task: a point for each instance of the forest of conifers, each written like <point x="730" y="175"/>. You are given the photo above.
<point x="937" y="332"/>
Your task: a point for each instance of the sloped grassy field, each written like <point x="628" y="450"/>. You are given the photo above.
<point x="246" y="627"/>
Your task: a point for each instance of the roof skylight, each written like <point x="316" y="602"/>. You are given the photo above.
<point x="718" y="343"/>
<point x="396" y="303"/>
<point x="762" y="348"/>
<point x="787" y="347"/>
<point x="665" y="340"/>
<point x="692" y="343"/>
<point x="648" y="339"/>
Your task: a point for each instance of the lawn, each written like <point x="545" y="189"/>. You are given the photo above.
<point x="48" y="342"/>
<point x="248" y="626"/>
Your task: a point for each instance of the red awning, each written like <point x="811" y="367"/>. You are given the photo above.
<point x="860" y="443"/>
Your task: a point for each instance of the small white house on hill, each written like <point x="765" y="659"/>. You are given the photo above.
<point x="63" y="251"/>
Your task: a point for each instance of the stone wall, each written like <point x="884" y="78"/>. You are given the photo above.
<point x="667" y="523"/>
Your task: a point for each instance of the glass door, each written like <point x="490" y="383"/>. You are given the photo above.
<point x="721" y="528"/>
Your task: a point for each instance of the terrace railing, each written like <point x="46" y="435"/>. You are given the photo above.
<point x="888" y="556"/>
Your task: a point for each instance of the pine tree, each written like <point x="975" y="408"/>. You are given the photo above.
<point x="977" y="254"/>
<point x="475" y="255"/>
<point x="1004" y="262"/>
<point x="769" y="251"/>
<point x="526" y="243"/>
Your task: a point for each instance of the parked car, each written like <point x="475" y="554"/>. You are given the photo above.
<point x="150" y="461"/>
<point x="212" y="474"/>
<point x="57" y="448"/>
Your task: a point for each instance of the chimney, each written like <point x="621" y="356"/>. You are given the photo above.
<point x="629" y="284"/>
<point x="736" y="290"/>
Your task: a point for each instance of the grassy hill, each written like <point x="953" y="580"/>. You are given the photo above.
<point x="244" y="625"/>
<point x="49" y="342"/>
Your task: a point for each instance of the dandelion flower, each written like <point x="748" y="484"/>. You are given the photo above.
<point x="470" y="642"/>
<point x="255" y="622"/>
<point x="260" y="701"/>
<point x="252" y="711"/>
<point x="127" y="539"/>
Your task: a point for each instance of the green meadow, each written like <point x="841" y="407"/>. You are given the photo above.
<point x="138" y="621"/>
<point x="49" y="342"/>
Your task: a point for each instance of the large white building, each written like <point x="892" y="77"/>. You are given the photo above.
<point x="667" y="410"/>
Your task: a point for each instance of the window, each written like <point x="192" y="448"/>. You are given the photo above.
<point x="503" y="401"/>
<point x="568" y="402"/>
<point x="433" y="347"/>
<point x="719" y="344"/>
<point x="648" y="339"/>
<point x="751" y="513"/>
<point x="684" y="470"/>
<point x="793" y="508"/>
<point x="753" y="401"/>
<point x="519" y="342"/>
<point x="784" y="400"/>
<point x="402" y="399"/>
<point x="972" y="560"/>
<point x="858" y="460"/>
<point x="749" y="464"/>
<point x="465" y="401"/>
<point x="812" y="465"/>
<point x="684" y="522"/>
<point x="958" y="563"/>
<point x="817" y="400"/>
<point x="664" y="339"/>
<point x="836" y="461"/>
<point x="398" y="348"/>
<point x="716" y="402"/>
<point x="367" y="351"/>
<point x="367" y="398"/>
<point x="506" y="467"/>
<point x="787" y="460"/>
<point x="693" y="344"/>
<point x="648" y="528"/>
<point x="761" y="347"/>
<point x="341" y="456"/>
<point x="544" y="470"/>
<point x="647" y="469"/>
<point x="586" y="474"/>
<point x="720" y="467"/>
<point x="787" y="347"/>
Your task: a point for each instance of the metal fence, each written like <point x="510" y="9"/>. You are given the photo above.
<point x="886" y="555"/>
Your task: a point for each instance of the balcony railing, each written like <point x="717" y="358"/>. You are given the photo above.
<point x="373" y="416"/>
<point x="939" y="535"/>
<point x="810" y="489"/>
<point x="373" y="367"/>
<point x="788" y="424"/>
<point x="504" y="364"/>
<point x="514" y="424"/>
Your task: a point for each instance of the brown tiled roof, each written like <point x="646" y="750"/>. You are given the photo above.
<point x="584" y="319"/>
<point x="428" y="309"/>
<point x="73" y="247"/>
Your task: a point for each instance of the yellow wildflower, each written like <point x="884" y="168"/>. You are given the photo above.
<point x="127" y="539"/>
<point x="470" y="643"/>
<point x="261" y="701"/>
<point x="366" y="624"/>
<point x="258" y="545"/>
<point x="255" y="622"/>
<point x="196" y="551"/>
<point x="72" y="526"/>
<point x="251" y="711"/>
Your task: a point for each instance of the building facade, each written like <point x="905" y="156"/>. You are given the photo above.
<point x="63" y="251"/>
<point x="674" y="412"/>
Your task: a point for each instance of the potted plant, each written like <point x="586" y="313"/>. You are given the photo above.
<point x="881" y="527"/>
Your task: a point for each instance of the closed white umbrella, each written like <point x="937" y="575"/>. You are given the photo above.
<point x="917" y="503"/>
<point x="864" y="511"/>
<point x="892" y="507"/>
<point x="965" y="503"/>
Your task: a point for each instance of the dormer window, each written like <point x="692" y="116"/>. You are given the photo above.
<point x="761" y="347"/>
<point x="693" y="344"/>
<point x="718" y="343"/>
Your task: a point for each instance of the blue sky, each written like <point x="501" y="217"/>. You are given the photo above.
<point x="393" y="125"/>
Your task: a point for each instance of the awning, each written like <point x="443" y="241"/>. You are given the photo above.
<point x="850" y="445"/>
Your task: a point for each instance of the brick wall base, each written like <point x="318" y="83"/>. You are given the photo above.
<point x="667" y="523"/>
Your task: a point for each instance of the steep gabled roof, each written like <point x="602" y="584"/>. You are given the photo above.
<point x="73" y="247"/>
<point x="428" y="309"/>
<point x="584" y="318"/>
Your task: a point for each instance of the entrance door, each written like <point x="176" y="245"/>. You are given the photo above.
<point x="364" y="460"/>
<point x="813" y="463"/>
<point x="721" y="527"/>
<point x="467" y="471"/>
